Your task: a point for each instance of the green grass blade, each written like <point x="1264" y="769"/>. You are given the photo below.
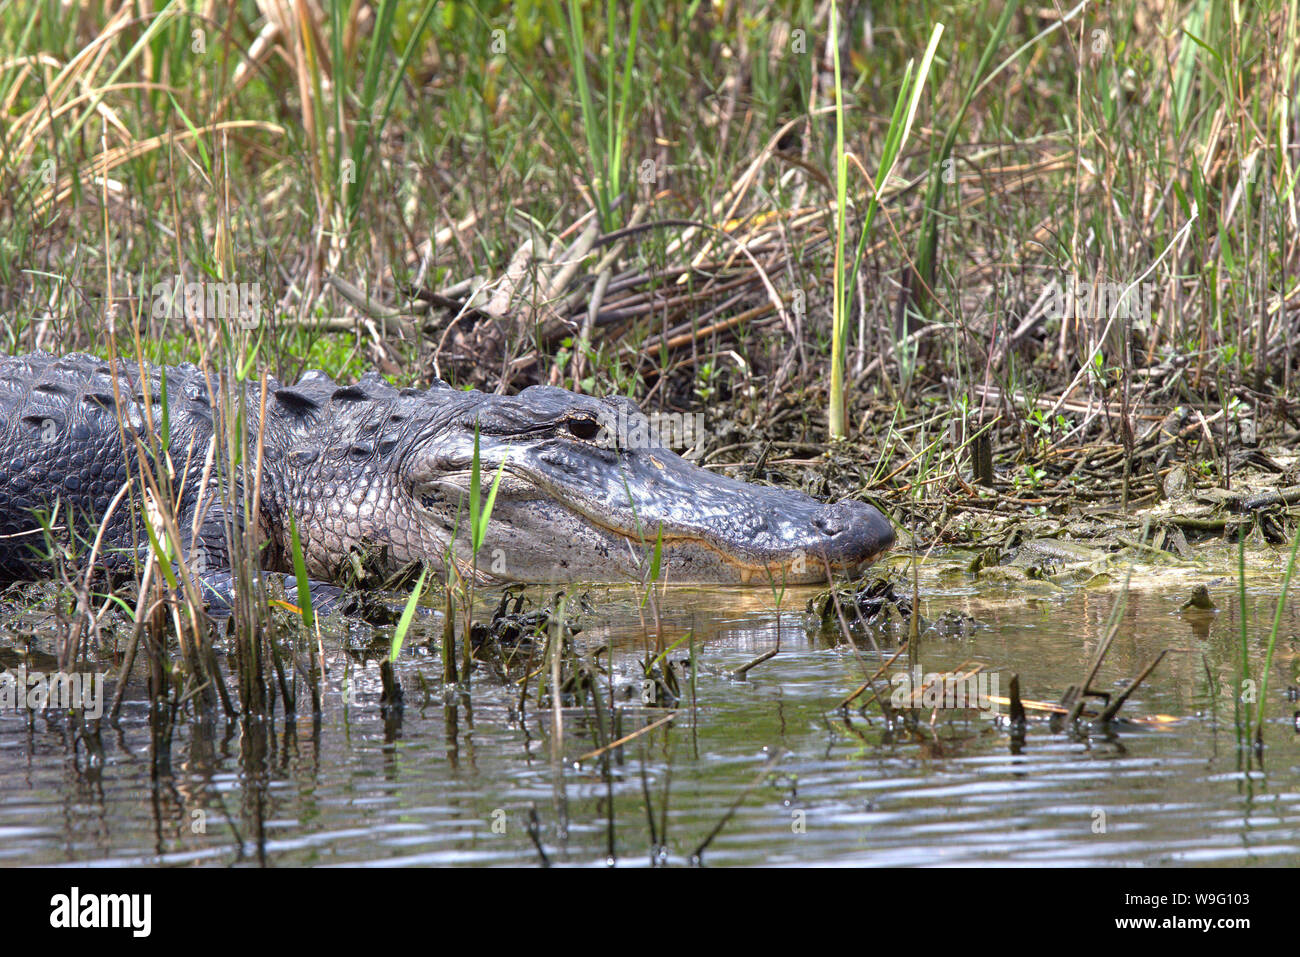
<point x="164" y="561"/>
<point x="475" y="472"/>
<point x="900" y="127"/>
<point x="929" y="246"/>
<point x="165" y="432"/>
<point x="362" y="155"/>
<point x="479" y="518"/>
<point x="300" y="574"/>
<point x="1245" y="634"/>
<point x="480" y="526"/>
<point x="408" y="613"/>
<point x="656" y="559"/>
<point x="1272" y="636"/>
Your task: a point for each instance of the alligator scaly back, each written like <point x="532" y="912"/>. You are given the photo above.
<point x="73" y="430"/>
<point x="77" y="430"/>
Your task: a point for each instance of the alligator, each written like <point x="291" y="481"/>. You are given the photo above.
<point x="377" y="479"/>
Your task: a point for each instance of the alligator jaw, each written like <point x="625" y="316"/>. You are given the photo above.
<point x="569" y="510"/>
<point x="539" y="540"/>
<point x="836" y="539"/>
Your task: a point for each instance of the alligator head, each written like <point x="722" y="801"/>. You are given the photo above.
<point x="587" y="488"/>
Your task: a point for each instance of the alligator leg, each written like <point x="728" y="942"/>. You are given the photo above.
<point x="218" y="590"/>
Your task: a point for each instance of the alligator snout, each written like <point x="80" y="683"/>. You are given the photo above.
<point x="855" y="532"/>
<point x="574" y="508"/>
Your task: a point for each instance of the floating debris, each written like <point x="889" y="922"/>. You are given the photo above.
<point x="878" y="605"/>
<point x="1200" y="599"/>
<point x="874" y="604"/>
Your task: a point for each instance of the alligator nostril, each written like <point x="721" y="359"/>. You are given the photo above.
<point x="828" y="525"/>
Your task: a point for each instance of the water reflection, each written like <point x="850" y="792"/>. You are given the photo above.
<point x="767" y="758"/>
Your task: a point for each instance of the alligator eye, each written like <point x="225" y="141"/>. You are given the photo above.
<point x="586" y="429"/>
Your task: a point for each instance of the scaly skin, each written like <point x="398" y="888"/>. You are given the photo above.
<point x="378" y="478"/>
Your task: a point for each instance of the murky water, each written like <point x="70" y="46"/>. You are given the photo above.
<point x="767" y="769"/>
